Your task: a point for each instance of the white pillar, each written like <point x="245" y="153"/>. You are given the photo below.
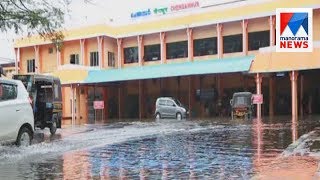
<point x="219" y="41"/>
<point x="82" y="51"/>
<point x="294" y="93"/>
<point x="244" y="24"/>
<point x="258" y="84"/>
<point x="37" y="59"/>
<point x="119" y="43"/>
<point x="163" y="50"/>
<point x="140" y="49"/>
<point x="72" y="105"/>
<point x="272" y="22"/>
<point x="100" y="50"/>
<point x="190" y="44"/>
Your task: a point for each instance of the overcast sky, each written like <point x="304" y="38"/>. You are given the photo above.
<point x="88" y="12"/>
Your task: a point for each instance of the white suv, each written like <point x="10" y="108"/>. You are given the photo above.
<point x="16" y="114"/>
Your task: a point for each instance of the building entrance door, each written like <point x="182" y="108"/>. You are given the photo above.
<point x="94" y="94"/>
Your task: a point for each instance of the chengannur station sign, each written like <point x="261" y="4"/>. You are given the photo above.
<point x="165" y="9"/>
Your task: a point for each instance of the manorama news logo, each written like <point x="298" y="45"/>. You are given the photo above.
<point x="294" y="30"/>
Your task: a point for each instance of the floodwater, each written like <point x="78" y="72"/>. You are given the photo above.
<point x="166" y="149"/>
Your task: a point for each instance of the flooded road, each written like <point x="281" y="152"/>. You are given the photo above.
<point x="166" y="149"/>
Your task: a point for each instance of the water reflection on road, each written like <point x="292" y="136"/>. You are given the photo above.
<point x="168" y="149"/>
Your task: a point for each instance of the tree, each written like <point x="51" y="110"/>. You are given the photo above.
<point x="43" y="17"/>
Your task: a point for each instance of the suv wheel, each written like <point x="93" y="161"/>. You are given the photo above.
<point x="179" y="116"/>
<point x="158" y="117"/>
<point x="24" y="137"/>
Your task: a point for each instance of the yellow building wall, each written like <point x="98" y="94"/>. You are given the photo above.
<point x="232" y="28"/>
<point x="48" y="62"/>
<point x="70" y="47"/>
<point x="25" y="54"/>
<point x="204" y="32"/>
<point x="130" y="42"/>
<point x="258" y="24"/>
<point x="151" y="39"/>
<point x="176" y="36"/>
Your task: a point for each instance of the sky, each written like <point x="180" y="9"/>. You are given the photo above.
<point x="89" y="12"/>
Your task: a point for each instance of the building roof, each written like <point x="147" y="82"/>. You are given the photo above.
<point x="265" y="8"/>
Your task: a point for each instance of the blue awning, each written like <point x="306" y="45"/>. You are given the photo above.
<point x="197" y="67"/>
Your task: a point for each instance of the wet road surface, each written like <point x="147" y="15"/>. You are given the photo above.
<point x="166" y="149"/>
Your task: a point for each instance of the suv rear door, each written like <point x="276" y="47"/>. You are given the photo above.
<point x="8" y="110"/>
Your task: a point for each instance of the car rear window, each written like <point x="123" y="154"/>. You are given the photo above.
<point x="8" y="92"/>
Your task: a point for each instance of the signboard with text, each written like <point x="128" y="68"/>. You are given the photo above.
<point x="257" y="99"/>
<point x="165" y="9"/>
<point x="98" y="104"/>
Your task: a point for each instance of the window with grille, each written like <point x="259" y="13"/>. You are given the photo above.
<point x="31" y="66"/>
<point x="232" y="43"/>
<point x="206" y="46"/>
<point x="74" y="59"/>
<point x="258" y="40"/>
<point x="94" y="58"/>
<point x="177" y="50"/>
<point x="111" y="59"/>
<point x="152" y="52"/>
<point x="131" y="55"/>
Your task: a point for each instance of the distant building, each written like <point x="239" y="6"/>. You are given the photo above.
<point x="8" y="66"/>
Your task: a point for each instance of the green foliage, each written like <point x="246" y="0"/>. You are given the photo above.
<point x="43" y="17"/>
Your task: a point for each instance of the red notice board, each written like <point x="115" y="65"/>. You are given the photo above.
<point x="98" y="104"/>
<point x="257" y="99"/>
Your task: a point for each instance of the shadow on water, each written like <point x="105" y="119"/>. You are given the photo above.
<point x="169" y="149"/>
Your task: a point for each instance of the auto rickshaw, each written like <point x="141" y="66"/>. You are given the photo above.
<point x="241" y="105"/>
<point x="46" y="99"/>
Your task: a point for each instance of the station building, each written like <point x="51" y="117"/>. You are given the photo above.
<point x="225" y="48"/>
